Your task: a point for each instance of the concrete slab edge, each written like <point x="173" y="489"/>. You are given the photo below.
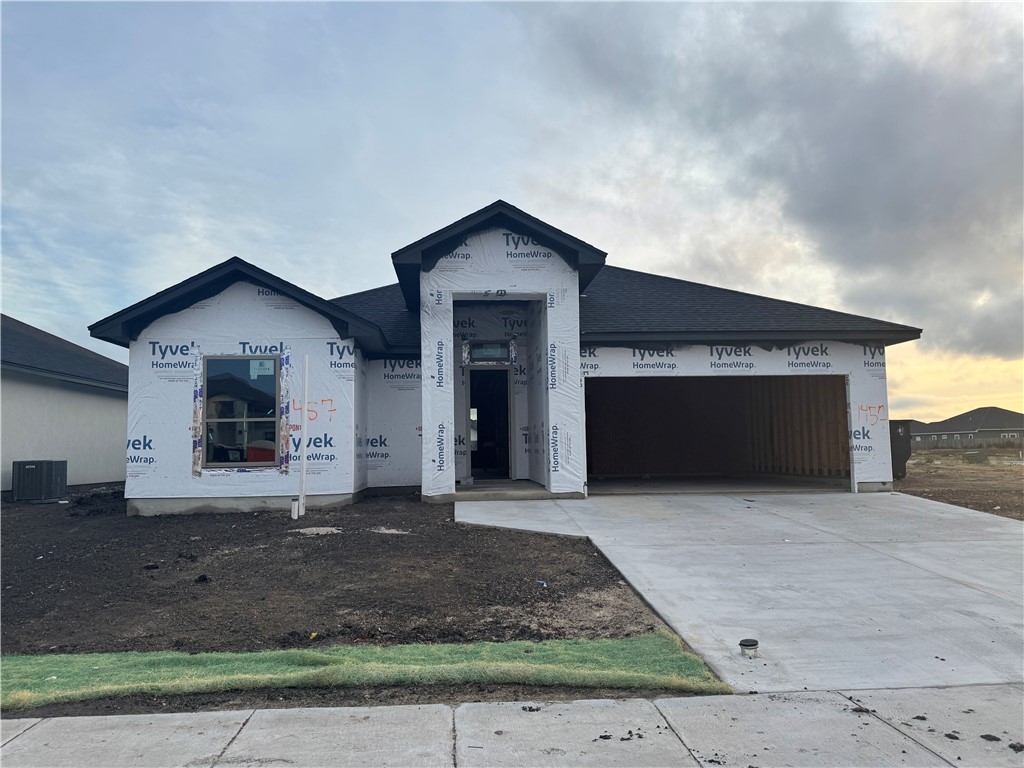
<point x="900" y="731"/>
<point x="639" y="593"/>
<point x="839" y="695"/>
<point x="675" y="733"/>
<point x="511" y="527"/>
<point x="231" y="741"/>
<point x="22" y="731"/>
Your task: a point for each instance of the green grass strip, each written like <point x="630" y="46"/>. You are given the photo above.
<point x="656" y="660"/>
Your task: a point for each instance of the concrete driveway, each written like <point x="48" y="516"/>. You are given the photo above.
<point x="842" y="591"/>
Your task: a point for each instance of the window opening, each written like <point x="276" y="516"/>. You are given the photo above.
<point x="240" y="420"/>
<point x="489" y="352"/>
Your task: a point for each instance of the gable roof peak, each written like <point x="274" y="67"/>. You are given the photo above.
<point x="125" y="326"/>
<point x="422" y="255"/>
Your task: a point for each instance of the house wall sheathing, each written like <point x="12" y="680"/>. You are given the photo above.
<point x="166" y="402"/>
<point x="387" y="422"/>
<point x="499" y="265"/>
<point x="392" y="445"/>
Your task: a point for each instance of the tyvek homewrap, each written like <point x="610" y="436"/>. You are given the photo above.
<point x="499" y="265"/>
<point x="536" y="393"/>
<point x="438" y="391"/>
<point x="167" y="403"/>
<point x="361" y="427"/>
<point x="392" y="446"/>
<point x="864" y="367"/>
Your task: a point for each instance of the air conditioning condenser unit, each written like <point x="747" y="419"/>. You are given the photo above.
<point x="44" y="480"/>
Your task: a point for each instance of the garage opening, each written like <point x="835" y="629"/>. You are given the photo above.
<point x="707" y="427"/>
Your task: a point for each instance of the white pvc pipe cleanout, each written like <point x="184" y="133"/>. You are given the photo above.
<point x="302" y="436"/>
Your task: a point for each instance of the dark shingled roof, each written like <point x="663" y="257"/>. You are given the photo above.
<point x="989" y="417"/>
<point x="385" y="308"/>
<point x="125" y="326"/>
<point x="26" y="348"/>
<point x="622" y="306"/>
<point x="622" y="302"/>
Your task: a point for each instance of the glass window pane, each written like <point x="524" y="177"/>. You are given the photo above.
<point x="241" y="442"/>
<point x="241" y="388"/>
<point x="241" y="411"/>
<point x="489" y="352"/>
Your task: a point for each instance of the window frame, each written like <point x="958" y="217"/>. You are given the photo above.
<point x="510" y="357"/>
<point x="276" y="418"/>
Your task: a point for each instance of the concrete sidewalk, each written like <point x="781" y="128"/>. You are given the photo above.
<point x="976" y="726"/>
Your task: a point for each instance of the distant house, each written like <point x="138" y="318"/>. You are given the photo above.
<point x="988" y="426"/>
<point x="61" y="401"/>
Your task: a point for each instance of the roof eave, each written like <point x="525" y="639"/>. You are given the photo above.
<point x="123" y="327"/>
<point x="66" y="377"/>
<point x="778" y="338"/>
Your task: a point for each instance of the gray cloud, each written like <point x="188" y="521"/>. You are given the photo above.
<point x="893" y="140"/>
<point x="866" y="157"/>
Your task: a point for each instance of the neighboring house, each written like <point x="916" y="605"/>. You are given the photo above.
<point x="61" y="401"/>
<point x="988" y="426"/>
<point x="507" y="350"/>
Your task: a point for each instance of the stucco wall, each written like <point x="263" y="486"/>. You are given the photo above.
<point x="45" y="418"/>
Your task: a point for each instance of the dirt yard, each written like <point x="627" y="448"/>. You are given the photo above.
<point x="942" y="475"/>
<point x="83" y="577"/>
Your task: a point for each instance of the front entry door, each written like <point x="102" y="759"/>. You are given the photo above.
<point x="488" y="423"/>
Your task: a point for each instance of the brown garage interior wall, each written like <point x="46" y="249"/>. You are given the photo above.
<point x="798" y="426"/>
<point x="717" y="427"/>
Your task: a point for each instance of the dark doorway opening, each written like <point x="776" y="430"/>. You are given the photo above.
<point x="717" y="427"/>
<point x="488" y="423"/>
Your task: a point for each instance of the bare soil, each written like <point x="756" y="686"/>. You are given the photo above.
<point x="943" y="475"/>
<point x="83" y="577"/>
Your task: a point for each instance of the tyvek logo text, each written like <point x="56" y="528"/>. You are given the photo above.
<point x="874" y="357"/>
<point x="181" y="351"/>
<point x="647" y="354"/>
<point x="326" y="441"/>
<point x="731" y="357"/>
<point x="515" y="242"/>
<point x="344" y="354"/>
<point x="144" y="443"/>
<point x="809" y="357"/>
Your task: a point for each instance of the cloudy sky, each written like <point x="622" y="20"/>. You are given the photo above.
<point x="867" y="157"/>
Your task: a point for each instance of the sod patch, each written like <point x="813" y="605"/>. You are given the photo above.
<point x="656" y="660"/>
